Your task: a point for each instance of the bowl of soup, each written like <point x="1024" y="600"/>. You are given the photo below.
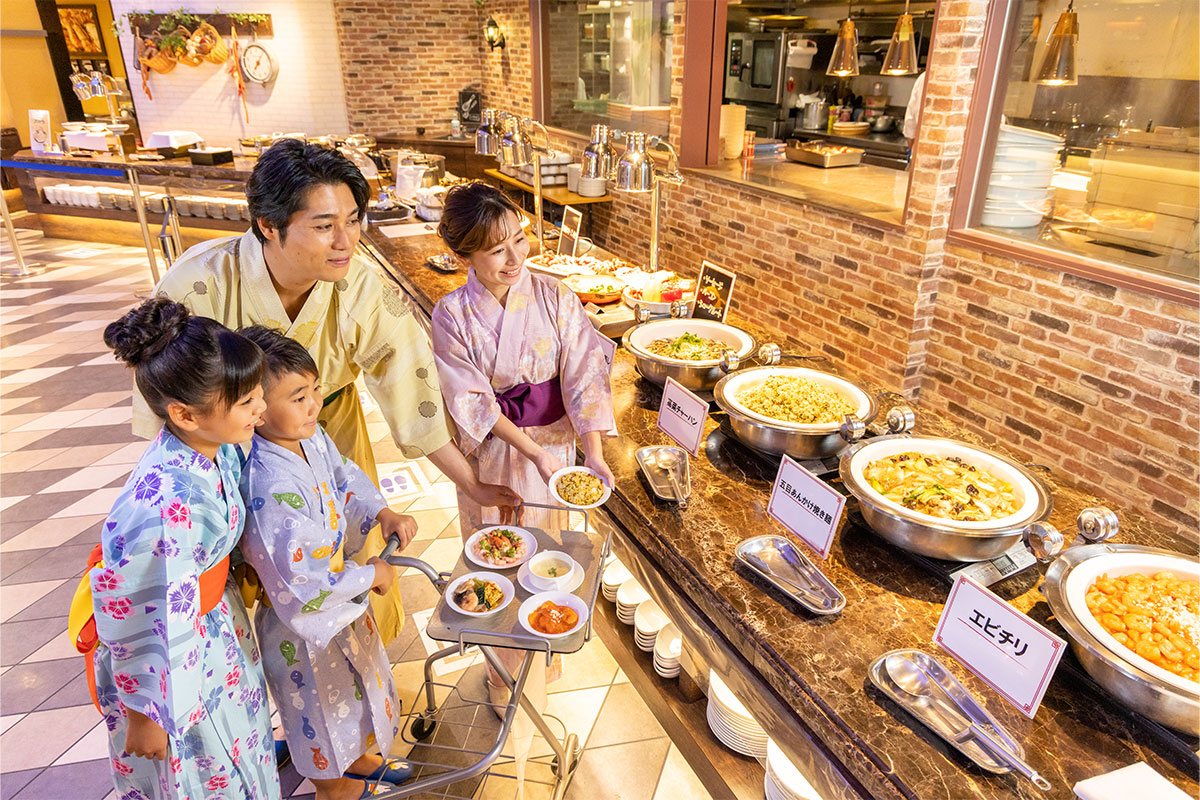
<point x="552" y="571"/>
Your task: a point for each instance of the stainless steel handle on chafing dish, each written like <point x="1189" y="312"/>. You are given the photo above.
<point x="1096" y="525"/>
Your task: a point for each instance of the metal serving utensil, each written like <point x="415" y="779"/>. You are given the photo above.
<point x="911" y="678"/>
<point x="779" y="562"/>
<point x="668" y="461"/>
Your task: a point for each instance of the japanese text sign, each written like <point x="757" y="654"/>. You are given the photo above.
<point x="681" y="416"/>
<point x="568" y="240"/>
<point x="806" y="506"/>
<point x="1010" y="652"/>
<point x="714" y="290"/>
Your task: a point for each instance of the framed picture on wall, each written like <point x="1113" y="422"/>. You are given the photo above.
<point x="81" y="29"/>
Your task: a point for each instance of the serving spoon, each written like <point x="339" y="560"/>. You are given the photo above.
<point x="912" y="679"/>
<point x="668" y="460"/>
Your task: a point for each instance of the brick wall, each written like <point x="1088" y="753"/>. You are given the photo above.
<point x="405" y="62"/>
<point x="508" y="73"/>
<point x="307" y="96"/>
<point x="1098" y="383"/>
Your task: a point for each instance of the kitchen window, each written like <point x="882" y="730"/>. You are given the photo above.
<point x="1089" y="157"/>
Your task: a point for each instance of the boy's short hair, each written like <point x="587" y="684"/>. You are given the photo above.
<point x="283" y="354"/>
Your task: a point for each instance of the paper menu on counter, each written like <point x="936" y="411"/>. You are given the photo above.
<point x="806" y="506"/>
<point x="681" y="416"/>
<point x="1006" y="649"/>
<point x="405" y="229"/>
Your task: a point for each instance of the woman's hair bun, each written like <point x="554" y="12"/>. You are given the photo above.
<point x="146" y="330"/>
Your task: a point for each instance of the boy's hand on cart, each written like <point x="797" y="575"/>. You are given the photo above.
<point x="144" y="737"/>
<point x="402" y="526"/>
<point x="385" y="575"/>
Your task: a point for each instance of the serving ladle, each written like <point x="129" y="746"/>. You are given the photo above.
<point x="668" y="460"/>
<point x="913" y="680"/>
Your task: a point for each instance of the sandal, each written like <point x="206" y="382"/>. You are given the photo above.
<point x="395" y="770"/>
<point x="375" y="788"/>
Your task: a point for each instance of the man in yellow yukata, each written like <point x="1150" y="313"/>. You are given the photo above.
<point x="296" y="270"/>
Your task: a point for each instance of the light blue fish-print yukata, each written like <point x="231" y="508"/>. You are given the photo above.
<point x="323" y="657"/>
<point x="195" y="674"/>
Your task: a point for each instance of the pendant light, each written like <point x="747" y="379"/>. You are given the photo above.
<point x="844" y="61"/>
<point x="901" y="57"/>
<point x="1058" y="65"/>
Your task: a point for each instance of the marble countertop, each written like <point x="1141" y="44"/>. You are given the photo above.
<point x="818" y="666"/>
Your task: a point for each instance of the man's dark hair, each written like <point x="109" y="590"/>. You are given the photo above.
<point x="283" y="354"/>
<point x="284" y="174"/>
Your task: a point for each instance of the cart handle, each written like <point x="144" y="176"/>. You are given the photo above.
<point x="587" y="521"/>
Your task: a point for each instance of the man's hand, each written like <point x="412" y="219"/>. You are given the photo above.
<point x="401" y="525"/>
<point x="144" y="737"/>
<point x="492" y="495"/>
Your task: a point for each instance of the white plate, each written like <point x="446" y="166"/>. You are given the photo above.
<point x="565" y="470"/>
<point x="649" y="619"/>
<point x="1083" y="575"/>
<point x="790" y="781"/>
<point x="504" y="583"/>
<point x="560" y="598"/>
<point x="656" y="308"/>
<point x="631" y="594"/>
<point x="527" y="585"/>
<point x="1023" y="219"/>
<point x="530" y="546"/>
<point x="1015" y="134"/>
<point x="669" y="644"/>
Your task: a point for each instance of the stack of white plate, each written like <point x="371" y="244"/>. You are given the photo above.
<point x="614" y="575"/>
<point x="783" y="781"/>
<point x="731" y="722"/>
<point x="648" y="620"/>
<point x="1019" y="192"/>
<point x="630" y="595"/>
<point x="667" y="647"/>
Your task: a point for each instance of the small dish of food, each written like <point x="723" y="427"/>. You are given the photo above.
<point x="579" y="487"/>
<point x="658" y="293"/>
<point x="500" y="546"/>
<point x="552" y="571"/>
<point x="689" y="346"/>
<point x="553" y="615"/>
<point x="479" y="594"/>
<point x="598" y="289"/>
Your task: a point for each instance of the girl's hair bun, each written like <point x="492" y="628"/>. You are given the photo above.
<point x="147" y="330"/>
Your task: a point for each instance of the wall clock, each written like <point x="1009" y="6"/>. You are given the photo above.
<point x="258" y="64"/>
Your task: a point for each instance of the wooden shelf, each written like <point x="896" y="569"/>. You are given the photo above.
<point x="559" y="195"/>
<point x="152" y="217"/>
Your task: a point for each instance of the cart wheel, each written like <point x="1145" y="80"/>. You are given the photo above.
<point x="422" y="728"/>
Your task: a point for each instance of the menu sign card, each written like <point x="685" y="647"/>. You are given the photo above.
<point x="568" y="240"/>
<point x="1006" y="649"/>
<point x="681" y="416"/>
<point x="714" y="290"/>
<point x="470" y="107"/>
<point x="806" y="506"/>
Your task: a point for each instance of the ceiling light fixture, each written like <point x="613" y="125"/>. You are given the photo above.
<point x="844" y="61"/>
<point x="1058" y="65"/>
<point x="901" y="56"/>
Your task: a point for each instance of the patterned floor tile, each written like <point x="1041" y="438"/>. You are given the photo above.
<point x="26" y="745"/>
<point x="91" y="478"/>
<point x="15" y="598"/>
<point x="19" y="639"/>
<point x="51" y="533"/>
<point x="87" y="780"/>
<point x="52" y="605"/>
<point x="26" y="686"/>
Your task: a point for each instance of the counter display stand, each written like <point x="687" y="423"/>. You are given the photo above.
<point x="457" y="742"/>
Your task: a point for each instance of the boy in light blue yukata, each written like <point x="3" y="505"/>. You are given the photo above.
<point x="309" y="508"/>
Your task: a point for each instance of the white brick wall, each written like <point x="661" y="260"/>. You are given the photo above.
<point x="307" y="95"/>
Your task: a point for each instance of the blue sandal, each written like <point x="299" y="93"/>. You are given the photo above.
<point x="375" y="788"/>
<point x="394" y="770"/>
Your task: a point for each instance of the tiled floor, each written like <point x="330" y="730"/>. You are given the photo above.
<point x="65" y="451"/>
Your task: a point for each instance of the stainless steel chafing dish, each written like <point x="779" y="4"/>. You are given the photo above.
<point x="774" y="436"/>
<point x="695" y="375"/>
<point x="933" y="536"/>
<point x="1142" y="685"/>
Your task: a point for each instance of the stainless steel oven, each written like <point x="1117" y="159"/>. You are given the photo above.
<point x="754" y="65"/>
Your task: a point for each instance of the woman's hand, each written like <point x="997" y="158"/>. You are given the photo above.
<point x="547" y="464"/>
<point x="600" y="466"/>
<point x="402" y="526"/>
<point x="385" y="575"/>
<point x="144" y="737"/>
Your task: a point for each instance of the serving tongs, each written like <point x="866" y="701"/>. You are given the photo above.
<point x="666" y="470"/>
<point x="780" y="563"/>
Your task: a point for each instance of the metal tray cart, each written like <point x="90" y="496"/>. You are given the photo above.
<point x="457" y="740"/>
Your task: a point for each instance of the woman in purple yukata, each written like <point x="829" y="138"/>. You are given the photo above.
<point x="177" y="671"/>
<point x="521" y="368"/>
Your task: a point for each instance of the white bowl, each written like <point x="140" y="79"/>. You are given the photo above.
<point x="558" y="598"/>
<point x="565" y="470"/>
<point x="1084" y="574"/>
<point x="1021" y="180"/>
<point x="641" y="337"/>
<point x="558" y="582"/>
<point x="469" y="548"/>
<point x="1015" y="134"/>
<point x="1017" y="152"/>
<point x="1018" y="194"/>
<point x="1000" y="219"/>
<point x="974" y="456"/>
<point x="741" y="381"/>
<point x="502" y="582"/>
<point x="73" y="126"/>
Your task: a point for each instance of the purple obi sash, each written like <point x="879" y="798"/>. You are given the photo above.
<point x="532" y="405"/>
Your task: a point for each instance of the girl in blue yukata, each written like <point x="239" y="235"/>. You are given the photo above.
<point x="177" y="675"/>
<point x="324" y="660"/>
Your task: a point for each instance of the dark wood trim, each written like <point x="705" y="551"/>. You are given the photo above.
<point x="60" y="58"/>
<point x="539" y="24"/>
<point x="222" y="22"/>
<point x="1072" y="263"/>
<point x="703" y="68"/>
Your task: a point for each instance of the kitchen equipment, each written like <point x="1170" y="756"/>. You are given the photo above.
<point x="663" y="483"/>
<point x="815" y="115"/>
<point x="694" y="375"/>
<point x="883" y="123"/>
<point x="935" y="716"/>
<point x="786" y="567"/>
<point x="851" y="128"/>
<point x="912" y="679"/>
<point x="1170" y="700"/>
<point x="800" y="53"/>
<point x="774" y="436"/>
<point x="668" y="461"/>
<point x="211" y="156"/>
<point x="934" y="536"/>
<point x="822" y="155"/>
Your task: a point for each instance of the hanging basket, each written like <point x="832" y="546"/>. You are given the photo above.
<point x="207" y="43"/>
<point x="153" y="56"/>
<point x="184" y="54"/>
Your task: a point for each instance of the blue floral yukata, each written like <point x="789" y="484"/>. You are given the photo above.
<point x="197" y="675"/>
<point x="324" y="660"/>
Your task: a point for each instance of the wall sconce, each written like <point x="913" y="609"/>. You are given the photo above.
<point x="493" y="34"/>
<point x="1058" y="65"/>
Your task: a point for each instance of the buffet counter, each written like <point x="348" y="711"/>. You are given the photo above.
<point x="805" y="677"/>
